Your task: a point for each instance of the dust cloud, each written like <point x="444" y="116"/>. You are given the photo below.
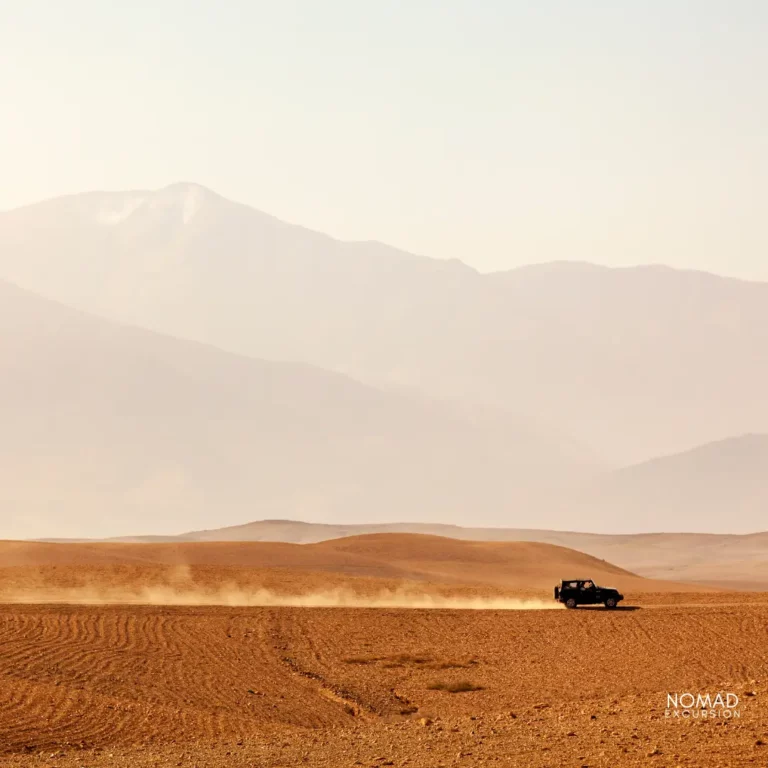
<point x="237" y="597"/>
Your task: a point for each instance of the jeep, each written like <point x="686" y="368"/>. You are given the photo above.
<point x="574" y="592"/>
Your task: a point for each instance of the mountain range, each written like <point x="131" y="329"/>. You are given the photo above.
<point x="108" y="427"/>
<point x="172" y="359"/>
<point x="629" y="363"/>
<point x="728" y="561"/>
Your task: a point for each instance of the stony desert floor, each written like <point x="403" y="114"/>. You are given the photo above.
<point x="137" y="685"/>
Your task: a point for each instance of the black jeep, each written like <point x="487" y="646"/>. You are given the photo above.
<point x="575" y="592"/>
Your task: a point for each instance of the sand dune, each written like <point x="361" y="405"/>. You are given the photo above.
<point x="732" y="561"/>
<point x="395" y="568"/>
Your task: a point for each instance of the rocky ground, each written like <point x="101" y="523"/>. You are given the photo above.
<point x="206" y="686"/>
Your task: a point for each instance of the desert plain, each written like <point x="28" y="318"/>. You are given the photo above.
<point x="373" y="650"/>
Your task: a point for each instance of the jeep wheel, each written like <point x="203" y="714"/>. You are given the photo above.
<point x="570" y="602"/>
<point x="610" y="602"/>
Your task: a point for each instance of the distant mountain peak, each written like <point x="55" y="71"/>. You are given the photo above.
<point x="187" y="197"/>
<point x="182" y="199"/>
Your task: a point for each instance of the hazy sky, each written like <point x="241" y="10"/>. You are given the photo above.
<point x="500" y="132"/>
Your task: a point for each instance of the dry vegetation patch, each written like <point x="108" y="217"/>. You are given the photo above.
<point x="419" y="661"/>
<point x="462" y="686"/>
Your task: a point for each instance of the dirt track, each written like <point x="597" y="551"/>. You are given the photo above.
<point x="95" y="686"/>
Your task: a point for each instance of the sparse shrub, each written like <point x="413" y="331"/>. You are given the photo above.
<point x="400" y="660"/>
<point x="390" y="662"/>
<point x="408" y="658"/>
<point x="462" y="686"/>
